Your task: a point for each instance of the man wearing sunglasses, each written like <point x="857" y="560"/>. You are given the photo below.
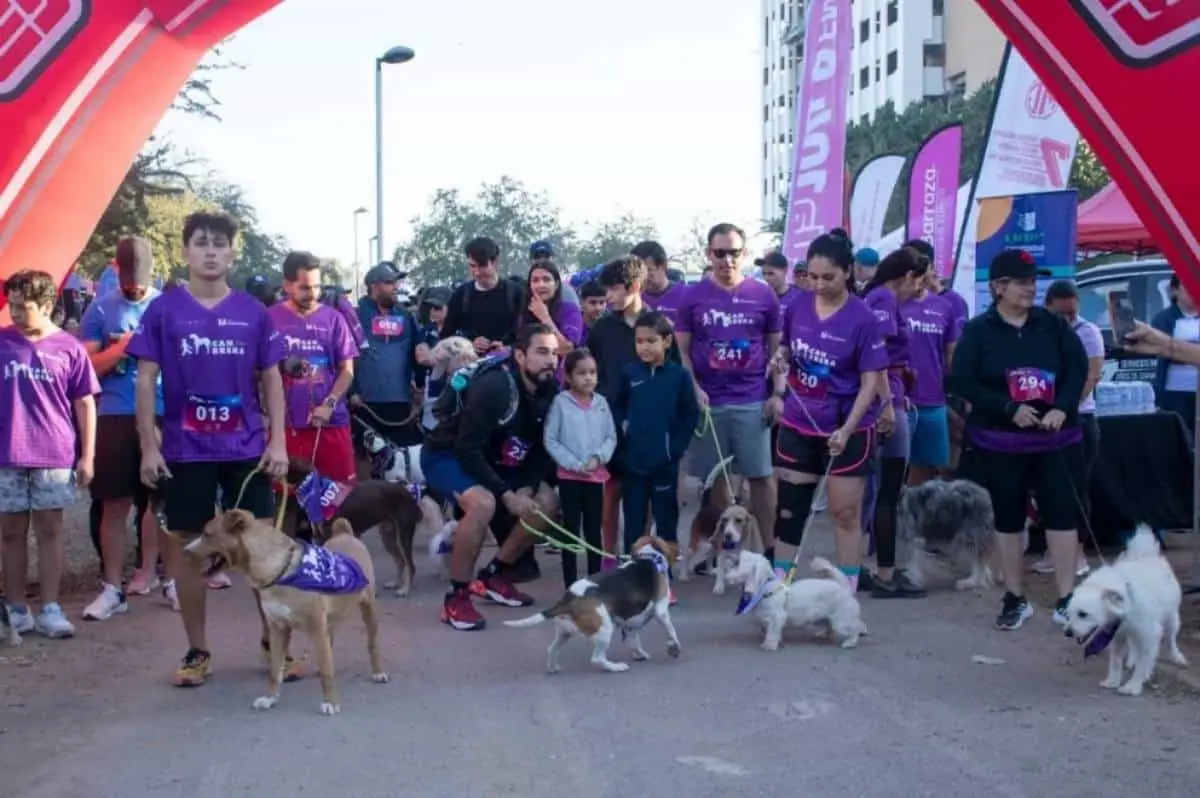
<point x="727" y="329"/>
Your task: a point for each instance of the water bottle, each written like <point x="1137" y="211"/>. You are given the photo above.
<point x="1104" y="399"/>
<point x="1147" y="397"/>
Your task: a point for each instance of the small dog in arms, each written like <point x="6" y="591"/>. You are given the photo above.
<point x="814" y="604"/>
<point x="1131" y="608"/>
<point x="625" y="599"/>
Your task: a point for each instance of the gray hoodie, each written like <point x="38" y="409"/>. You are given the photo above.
<point x="574" y="433"/>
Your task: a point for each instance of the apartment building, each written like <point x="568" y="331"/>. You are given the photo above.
<point x="898" y="56"/>
<point x="974" y="47"/>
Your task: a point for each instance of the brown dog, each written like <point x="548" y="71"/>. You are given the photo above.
<point x="375" y="504"/>
<point x="302" y="586"/>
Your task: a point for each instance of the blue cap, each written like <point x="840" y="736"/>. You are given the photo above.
<point x="541" y="249"/>
<point x="867" y="257"/>
<point x="256" y="281"/>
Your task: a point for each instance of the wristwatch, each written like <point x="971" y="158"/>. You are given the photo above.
<point x="331" y="402"/>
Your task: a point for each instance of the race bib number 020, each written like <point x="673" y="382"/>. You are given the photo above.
<point x="1031" y="385"/>
<point x="213" y="415"/>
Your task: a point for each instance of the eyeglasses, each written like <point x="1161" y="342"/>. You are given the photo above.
<point x="722" y="254"/>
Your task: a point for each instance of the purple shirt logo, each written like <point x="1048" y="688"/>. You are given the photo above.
<point x="325" y="571"/>
<point x="317" y="343"/>
<point x="932" y="326"/>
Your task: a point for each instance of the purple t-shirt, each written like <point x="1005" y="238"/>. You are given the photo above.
<point x="42" y="380"/>
<point x="958" y="308"/>
<point x="894" y="333"/>
<point x="569" y="319"/>
<point x="787" y="298"/>
<point x="828" y="358"/>
<point x="322" y="342"/>
<point x="209" y="360"/>
<point x="350" y="315"/>
<point x="932" y="326"/>
<point x="729" y="332"/>
<point x="668" y="302"/>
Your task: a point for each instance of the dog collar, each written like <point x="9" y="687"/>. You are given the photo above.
<point x="656" y="557"/>
<point x="749" y="601"/>
<point x="287" y="565"/>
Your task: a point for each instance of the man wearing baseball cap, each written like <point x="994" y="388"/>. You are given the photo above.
<point x="866" y="261"/>
<point x="775" y="273"/>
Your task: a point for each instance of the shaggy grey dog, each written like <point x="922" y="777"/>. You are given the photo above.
<point x="950" y="518"/>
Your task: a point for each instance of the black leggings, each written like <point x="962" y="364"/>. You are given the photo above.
<point x="891" y="479"/>
<point x="582" y="509"/>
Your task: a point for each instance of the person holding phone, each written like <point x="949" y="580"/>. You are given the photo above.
<point x="1175" y="381"/>
<point x="1023" y="371"/>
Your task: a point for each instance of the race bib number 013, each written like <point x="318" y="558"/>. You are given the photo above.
<point x="213" y="415"/>
<point x="1031" y="385"/>
<point x="729" y="355"/>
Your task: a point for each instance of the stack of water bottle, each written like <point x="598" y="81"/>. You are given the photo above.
<point x="1124" y="398"/>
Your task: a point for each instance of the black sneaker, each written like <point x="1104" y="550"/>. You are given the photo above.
<point x="1014" y="611"/>
<point x="900" y="586"/>
<point x="866" y="581"/>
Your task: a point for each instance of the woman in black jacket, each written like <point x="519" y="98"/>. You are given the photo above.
<point x="1022" y="369"/>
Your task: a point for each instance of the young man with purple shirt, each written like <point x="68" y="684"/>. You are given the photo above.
<point x="215" y="349"/>
<point x="658" y="292"/>
<point x="727" y="332"/>
<point x="776" y="273"/>
<point x="48" y="387"/>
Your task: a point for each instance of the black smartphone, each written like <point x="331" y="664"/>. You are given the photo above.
<point x="1120" y="314"/>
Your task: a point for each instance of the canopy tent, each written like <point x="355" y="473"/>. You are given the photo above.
<point x="1108" y="223"/>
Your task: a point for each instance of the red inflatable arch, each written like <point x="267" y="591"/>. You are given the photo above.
<point x="82" y="85"/>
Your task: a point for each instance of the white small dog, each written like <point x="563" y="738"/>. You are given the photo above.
<point x="1132" y="608"/>
<point x="828" y="602"/>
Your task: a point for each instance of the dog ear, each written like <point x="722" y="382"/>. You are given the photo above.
<point x="753" y="534"/>
<point x="644" y="540"/>
<point x="1114" y="601"/>
<point x="236" y="521"/>
<point x="668" y="549"/>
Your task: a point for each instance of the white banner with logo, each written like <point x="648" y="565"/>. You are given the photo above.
<point x="1030" y="148"/>
<point x="871" y="195"/>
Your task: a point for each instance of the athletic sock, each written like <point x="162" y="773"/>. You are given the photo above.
<point x="782" y="567"/>
<point x="458" y="587"/>
<point x="851" y="572"/>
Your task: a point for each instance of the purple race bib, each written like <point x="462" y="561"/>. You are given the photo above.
<point x="213" y="415"/>
<point x="325" y="571"/>
<point x="1031" y="385"/>
<point x="321" y="498"/>
<point x="513" y="452"/>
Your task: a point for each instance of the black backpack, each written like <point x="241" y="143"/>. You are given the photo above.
<point x="513" y="295"/>
<point x="450" y="402"/>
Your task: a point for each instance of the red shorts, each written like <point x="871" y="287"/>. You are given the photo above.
<point x="335" y="451"/>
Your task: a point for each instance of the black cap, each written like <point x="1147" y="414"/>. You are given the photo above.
<point x="1015" y="264"/>
<point x="1062" y="289"/>
<point x="437" y="297"/>
<point x="773" y="260"/>
<point x="385" y="272"/>
<point x="541" y="249"/>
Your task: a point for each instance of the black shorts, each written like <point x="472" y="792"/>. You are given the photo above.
<point x="389" y="419"/>
<point x="1052" y="477"/>
<point x="118" y="460"/>
<point x="190" y="496"/>
<point x="809" y="454"/>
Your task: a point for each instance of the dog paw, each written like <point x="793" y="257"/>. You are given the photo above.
<point x="1130" y="688"/>
<point x="265" y="702"/>
<point x="719" y="589"/>
<point x="330" y="709"/>
<point x="401" y="592"/>
<point x="553" y="668"/>
<point x="674" y="650"/>
<point x="770" y="645"/>
<point x="641" y="656"/>
<point x="851" y="643"/>
<point x="391" y="585"/>
<point x="1111" y="684"/>
<point x="380" y="678"/>
<point x="1177" y="658"/>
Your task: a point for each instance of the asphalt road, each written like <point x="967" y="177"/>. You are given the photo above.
<point x="473" y="714"/>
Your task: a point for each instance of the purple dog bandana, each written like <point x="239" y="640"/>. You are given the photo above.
<point x="325" y="571"/>
<point x="1100" y="640"/>
<point x="321" y="498"/>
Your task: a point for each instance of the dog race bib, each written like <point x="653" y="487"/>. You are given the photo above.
<point x="809" y="380"/>
<point x="1031" y="385"/>
<point x="321" y="498"/>
<point x="513" y="452"/>
<point x="213" y="415"/>
<point x="325" y="571"/>
<point x="387" y="325"/>
<point x="729" y="355"/>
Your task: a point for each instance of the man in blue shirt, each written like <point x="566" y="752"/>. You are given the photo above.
<point x="107" y="327"/>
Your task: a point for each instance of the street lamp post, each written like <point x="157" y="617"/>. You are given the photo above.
<point x="396" y="55"/>
<point x="357" y="213"/>
<point x="373" y="246"/>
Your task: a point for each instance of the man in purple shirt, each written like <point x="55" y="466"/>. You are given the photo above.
<point x="658" y="292"/>
<point x="728" y="330"/>
<point x="775" y="273"/>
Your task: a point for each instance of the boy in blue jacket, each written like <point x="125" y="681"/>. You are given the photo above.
<point x="658" y="410"/>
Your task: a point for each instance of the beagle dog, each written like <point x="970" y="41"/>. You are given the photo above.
<point x="625" y="599"/>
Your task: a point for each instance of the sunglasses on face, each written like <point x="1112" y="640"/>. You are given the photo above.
<point x="722" y="254"/>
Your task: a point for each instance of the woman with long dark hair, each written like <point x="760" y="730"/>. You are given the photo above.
<point x="894" y="282"/>
<point x="545" y="306"/>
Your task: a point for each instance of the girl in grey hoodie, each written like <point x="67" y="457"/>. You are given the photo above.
<point x="580" y="437"/>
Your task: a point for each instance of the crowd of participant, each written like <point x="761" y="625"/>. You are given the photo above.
<point x="843" y="369"/>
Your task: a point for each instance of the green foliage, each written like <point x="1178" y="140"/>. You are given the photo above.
<point x="611" y="240"/>
<point x="1088" y="175"/>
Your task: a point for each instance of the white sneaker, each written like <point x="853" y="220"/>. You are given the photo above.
<point x="22" y="620"/>
<point x="219" y="581"/>
<point x="143" y="581"/>
<point x="52" y="622"/>
<point x="1043" y="566"/>
<point x="171" y="594"/>
<point x="1083" y="568"/>
<point x="109" y="603"/>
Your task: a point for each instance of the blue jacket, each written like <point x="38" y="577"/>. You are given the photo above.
<point x="384" y="370"/>
<point x="658" y="410"/>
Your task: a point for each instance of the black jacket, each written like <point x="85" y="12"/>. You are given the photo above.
<point x="491" y="314"/>
<point x="477" y="437"/>
<point x="612" y="343"/>
<point x="990" y="349"/>
<point x="659" y="411"/>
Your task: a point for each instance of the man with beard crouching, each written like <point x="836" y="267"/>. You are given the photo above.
<point x="487" y="454"/>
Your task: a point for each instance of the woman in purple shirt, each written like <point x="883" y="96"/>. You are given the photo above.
<point x="828" y="372"/>
<point x="546" y="307"/>
<point x="894" y="282"/>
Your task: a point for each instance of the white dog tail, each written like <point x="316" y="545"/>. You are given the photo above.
<point x="825" y="568"/>
<point x="1144" y="543"/>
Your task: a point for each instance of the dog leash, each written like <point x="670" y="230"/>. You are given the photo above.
<point x="706" y="425"/>
<point x="280" y="511"/>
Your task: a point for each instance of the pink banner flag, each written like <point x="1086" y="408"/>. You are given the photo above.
<point x="933" y="194"/>
<point x="815" y="202"/>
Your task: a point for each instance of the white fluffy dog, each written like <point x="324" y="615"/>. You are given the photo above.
<point x="1132" y="608"/>
<point x="824" y="603"/>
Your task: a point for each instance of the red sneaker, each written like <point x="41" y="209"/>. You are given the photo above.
<point x="458" y="612"/>
<point x="501" y="591"/>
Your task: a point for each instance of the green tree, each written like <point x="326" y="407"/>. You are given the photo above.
<point x="505" y="211"/>
<point x="1088" y="175"/>
<point x="692" y="253"/>
<point x="611" y="240"/>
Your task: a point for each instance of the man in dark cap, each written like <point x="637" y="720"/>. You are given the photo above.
<point x="107" y="327"/>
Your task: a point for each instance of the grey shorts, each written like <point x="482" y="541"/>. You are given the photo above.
<point x="743" y="433"/>
<point x="25" y="489"/>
